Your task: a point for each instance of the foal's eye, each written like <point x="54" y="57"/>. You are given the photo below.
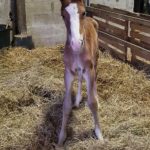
<point x="84" y="14"/>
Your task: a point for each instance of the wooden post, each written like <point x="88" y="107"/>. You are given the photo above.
<point x="127" y="29"/>
<point x="21" y="16"/>
<point x="87" y="2"/>
<point x="13" y="19"/>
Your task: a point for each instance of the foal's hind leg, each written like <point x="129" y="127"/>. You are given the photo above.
<point x="95" y="94"/>
<point x="67" y="105"/>
<point x="95" y="86"/>
<point x="92" y="102"/>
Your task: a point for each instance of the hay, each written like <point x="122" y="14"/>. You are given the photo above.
<point x="31" y="95"/>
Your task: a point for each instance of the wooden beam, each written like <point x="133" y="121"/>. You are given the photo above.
<point x="21" y="16"/>
<point x="97" y="11"/>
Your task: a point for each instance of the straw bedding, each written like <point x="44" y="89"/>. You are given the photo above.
<point x="31" y="96"/>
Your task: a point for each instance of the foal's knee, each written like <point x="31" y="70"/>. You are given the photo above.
<point x="93" y="105"/>
<point x="67" y="106"/>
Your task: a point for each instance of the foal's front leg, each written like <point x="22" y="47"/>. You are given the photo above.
<point x="92" y="100"/>
<point x="79" y="96"/>
<point x="67" y="105"/>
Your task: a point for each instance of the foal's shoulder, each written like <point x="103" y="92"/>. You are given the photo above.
<point x="92" y="21"/>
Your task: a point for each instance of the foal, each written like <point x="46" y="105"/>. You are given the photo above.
<point x="80" y="56"/>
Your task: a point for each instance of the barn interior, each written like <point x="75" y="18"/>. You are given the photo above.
<point x="32" y="82"/>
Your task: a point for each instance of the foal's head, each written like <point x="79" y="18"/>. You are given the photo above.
<point x="73" y="13"/>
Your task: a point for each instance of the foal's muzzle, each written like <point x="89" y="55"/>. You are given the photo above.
<point x="76" y="45"/>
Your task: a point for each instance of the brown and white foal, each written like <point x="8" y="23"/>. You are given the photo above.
<point x="80" y="56"/>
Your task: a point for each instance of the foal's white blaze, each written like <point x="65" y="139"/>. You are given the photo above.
<point x="76" y="38"/>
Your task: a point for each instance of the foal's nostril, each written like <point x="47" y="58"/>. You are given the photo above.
<point x="81" y="42"/>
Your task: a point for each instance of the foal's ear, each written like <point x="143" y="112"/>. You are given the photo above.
<point x="65" y="2"/>
<point x="77" y="1"/>
<point x="80" y="1"/>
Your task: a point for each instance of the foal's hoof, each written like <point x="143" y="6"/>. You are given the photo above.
<point x="99" y="135"/>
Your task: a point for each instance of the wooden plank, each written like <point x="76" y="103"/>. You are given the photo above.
<point x="103" y="15"/>
<point x="140" y="51"/>
<point x="117" y="21"/>
<point x="145" y="56"/>
<point x="120" y="11"/>
<point x="140" y="43"/>
<point x="111" y="37"/>
<point x="145" y="16"/>
<point x="111" y="29"/>
<point x="143" y="38"/>
<point x="113" y="43"/>
<point x="103" y="45"/>
<point x="139" y="62"/>
<point x="97" y="11"/>
<point x="136" y="26"/>
<point x="112" y="51"/>
<point x="100" y="6"/>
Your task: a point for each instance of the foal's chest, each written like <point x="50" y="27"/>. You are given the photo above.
<point x="75" y="63"/>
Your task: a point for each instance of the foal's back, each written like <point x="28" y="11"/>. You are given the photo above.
<point x="90" y="27"/>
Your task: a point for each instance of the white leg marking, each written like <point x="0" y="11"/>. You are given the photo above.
<point x="78" y="96"/>
<point x="80" y="76"/>
<point x="96" y="95"/>
<point x="92" y="102"/>
<point x="67" y="106"/>
<point x="98" y="134"/>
